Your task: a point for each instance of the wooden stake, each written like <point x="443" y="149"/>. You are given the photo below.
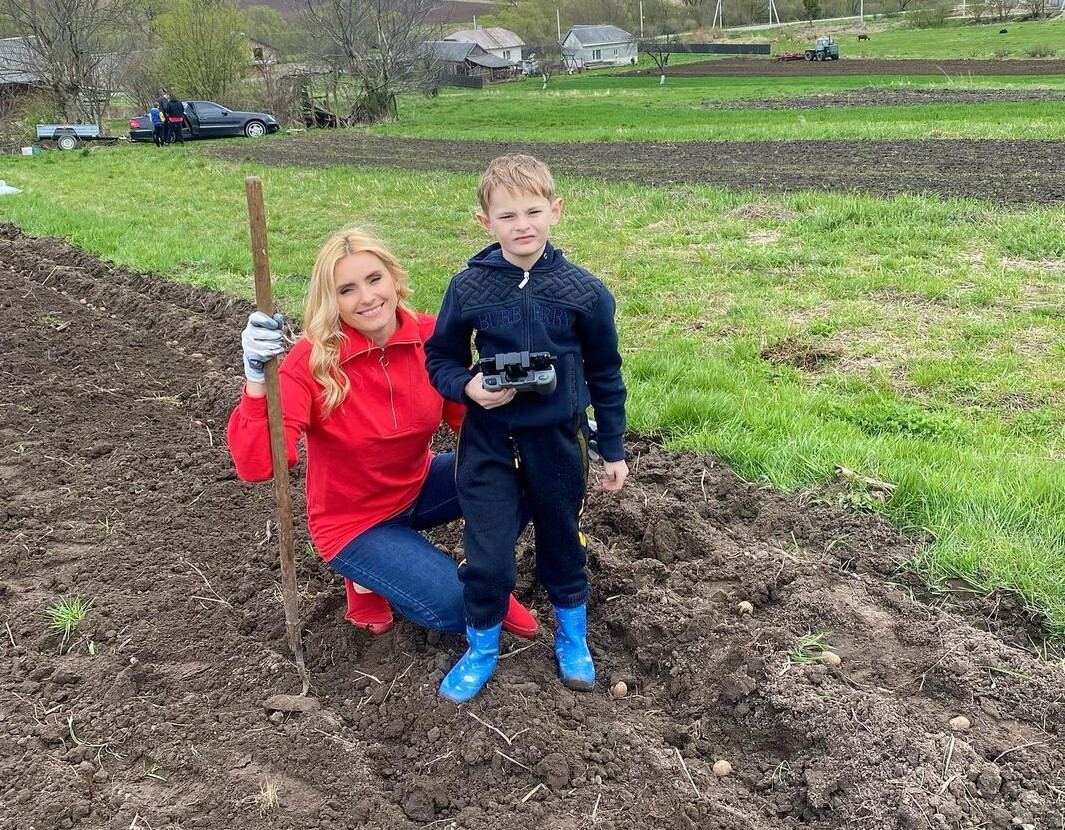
<point x="264" y="299"/>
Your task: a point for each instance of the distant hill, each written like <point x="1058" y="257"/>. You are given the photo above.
<point x="450" y="11"/>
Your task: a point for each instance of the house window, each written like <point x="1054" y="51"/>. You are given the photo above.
<point x="506" y="54"/>
<point x="615" y="53"/>
<point x="597" y="54"/>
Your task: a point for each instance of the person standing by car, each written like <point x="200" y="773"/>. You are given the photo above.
<point x="175" y="118"/>
<point x="158" y="125"/>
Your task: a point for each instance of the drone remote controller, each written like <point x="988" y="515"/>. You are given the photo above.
<point x="524" y="371"/>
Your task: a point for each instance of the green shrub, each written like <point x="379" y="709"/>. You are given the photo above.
<point x="932" y="16"/>
<point x="1040" y="51"/>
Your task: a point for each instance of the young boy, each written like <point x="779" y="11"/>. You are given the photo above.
<point x="158" y="126"/>
<point x="520" y="297"/>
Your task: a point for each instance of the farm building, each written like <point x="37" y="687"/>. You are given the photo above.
<point x="587" y="47"/>
<point x="497" y="41"/>
<point x="262" y="53"/>
<point x="467" y="64"/>
<point x="18" y="64"/>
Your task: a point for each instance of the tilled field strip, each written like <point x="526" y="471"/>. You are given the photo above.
<point x="1014" y="172"/>
<point x="713" y="601"/>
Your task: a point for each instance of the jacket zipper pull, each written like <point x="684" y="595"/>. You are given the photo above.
<point x="524" y="280"/>
<point x="514" y="449"/>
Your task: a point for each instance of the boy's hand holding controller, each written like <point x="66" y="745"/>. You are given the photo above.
<point x="486" y="398"/>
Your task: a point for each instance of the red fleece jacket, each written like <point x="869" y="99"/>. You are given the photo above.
<point x="367" y="460"/>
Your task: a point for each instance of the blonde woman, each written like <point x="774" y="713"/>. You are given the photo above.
<point x="354" y="386"/>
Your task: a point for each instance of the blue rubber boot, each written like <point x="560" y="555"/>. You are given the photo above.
<point x="571" y="649"/>
<point x="472" y="671"/>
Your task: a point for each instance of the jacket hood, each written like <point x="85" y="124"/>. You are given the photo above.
<point x="492" y="257"/>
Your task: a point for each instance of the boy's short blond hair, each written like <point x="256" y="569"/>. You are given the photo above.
<point x="518" y="174"/>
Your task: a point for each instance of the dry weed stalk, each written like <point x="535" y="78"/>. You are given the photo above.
<point x="268" y="800"/>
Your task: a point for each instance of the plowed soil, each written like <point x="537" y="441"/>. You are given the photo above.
<point x="115" y="485"/>
<point x="1016" y="172"/>
<point x="769" y="68"/>
<point x="877" y="96"/>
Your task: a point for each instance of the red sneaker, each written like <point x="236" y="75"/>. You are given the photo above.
<point x="370" y="611"/>
<point x="519" y="621"/>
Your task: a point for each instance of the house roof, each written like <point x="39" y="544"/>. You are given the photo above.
<point x="456" y="52"/>
<point x="17" y="62"/>
<point x="450" y="50"/>
<point x="493" y="37"/>
<point x="490" y="61"/>
<point x="597" y="35"/>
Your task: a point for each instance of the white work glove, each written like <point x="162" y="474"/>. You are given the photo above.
<point x="263" y="339"/>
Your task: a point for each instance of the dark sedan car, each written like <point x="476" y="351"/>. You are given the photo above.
<point x="205" y="119"/>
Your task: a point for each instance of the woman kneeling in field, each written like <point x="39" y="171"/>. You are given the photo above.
<point x="355" y="387"/>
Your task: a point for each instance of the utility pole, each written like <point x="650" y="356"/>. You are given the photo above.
<point x="861" y="10"/>
<point x="641" y="17"/>
<point x="773" y="12"/>
<point x="558" y="25"/>
<point x="719" y="19"/>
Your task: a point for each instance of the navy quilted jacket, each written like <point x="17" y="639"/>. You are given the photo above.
<point x="553" y="307"/>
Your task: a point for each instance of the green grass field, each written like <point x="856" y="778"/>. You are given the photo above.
<point x="957" y="39"/>
<point x="610" y="108"/>
<point x="936" y="327"/>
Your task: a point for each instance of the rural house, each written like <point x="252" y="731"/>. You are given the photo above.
<point x="588" y="47"/>
<point x="502" y="43"/>
<point x="467" y="64"/>
<point x="18" y="66"/>
<point x="262" y="53"/>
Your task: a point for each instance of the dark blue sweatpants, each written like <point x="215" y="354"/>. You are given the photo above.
<point x="496" y="466"/>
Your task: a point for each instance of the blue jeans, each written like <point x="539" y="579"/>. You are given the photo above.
<point x="395" y="560"/>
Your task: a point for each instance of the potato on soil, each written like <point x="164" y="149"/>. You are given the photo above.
<point x="960" y="723"/>
<point x="830" y="658"/>
<point x="745" y="607"/>
<point x="722" y="768"/>
<point x="619" y="689"/>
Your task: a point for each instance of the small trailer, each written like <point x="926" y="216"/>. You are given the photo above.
<point x="71" y="136"/>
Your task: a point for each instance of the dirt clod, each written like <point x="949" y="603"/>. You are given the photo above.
<point x="291" y="703"/>
<point x="830" y="658"/>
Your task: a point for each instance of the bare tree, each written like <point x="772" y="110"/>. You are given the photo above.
<point x="1039" y="9"/>
<point x="376" y="41"/>
<point x="71" y="45"/>
<point x="547" y="56"/>
<point x="662" y="43"/>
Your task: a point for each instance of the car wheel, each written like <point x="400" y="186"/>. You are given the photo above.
<point x="67" y="142"/>
<point x="254" y="129"/>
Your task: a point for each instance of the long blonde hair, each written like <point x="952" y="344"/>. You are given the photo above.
<point x="321" y="314"/>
